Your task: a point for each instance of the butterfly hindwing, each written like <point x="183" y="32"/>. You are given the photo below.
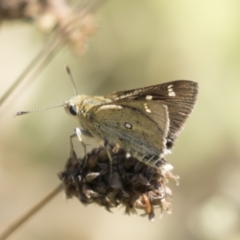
<point x="140" y="129"/>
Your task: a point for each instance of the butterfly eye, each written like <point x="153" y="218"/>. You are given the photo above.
<point x="73" y="110"/>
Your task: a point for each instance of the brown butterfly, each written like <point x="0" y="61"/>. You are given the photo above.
<point x="144" y="122"/>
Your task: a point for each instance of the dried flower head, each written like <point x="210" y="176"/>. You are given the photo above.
<point x="21" y="9"/>
<point x="72" y="25"/>
<point x="125" y="181"/>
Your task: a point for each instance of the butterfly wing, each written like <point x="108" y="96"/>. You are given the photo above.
<point x="140" y="128"/>
<point x="179" y="97"/>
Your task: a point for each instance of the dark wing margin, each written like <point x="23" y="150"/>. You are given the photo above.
<point x="180" y="106"/>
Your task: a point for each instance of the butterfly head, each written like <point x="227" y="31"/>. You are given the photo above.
<point x="75" y="106"/>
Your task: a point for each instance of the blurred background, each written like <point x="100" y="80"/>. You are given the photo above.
<point x="137" y="43"/>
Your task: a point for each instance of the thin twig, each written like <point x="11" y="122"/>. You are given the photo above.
<point x="15" y="225"/>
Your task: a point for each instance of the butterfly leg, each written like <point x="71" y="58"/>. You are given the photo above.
<point x="73" y="156"/>
<point x="110" y="162"/>
<point x="78" y="133"/>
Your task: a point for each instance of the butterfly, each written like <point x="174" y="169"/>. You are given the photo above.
<point x="144" y="122"/>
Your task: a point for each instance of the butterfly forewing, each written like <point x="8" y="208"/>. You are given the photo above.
<point x="179" y="96"/>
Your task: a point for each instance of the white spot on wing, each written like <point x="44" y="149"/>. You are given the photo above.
<point x="171" y="93"/>
<point x="110" y="106"/>
<point x="145" y="105"/>
<point x="149" y="97"/>
<point x="128" y="125"/>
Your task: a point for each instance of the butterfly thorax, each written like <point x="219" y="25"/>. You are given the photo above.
<point x="80" y="106"/>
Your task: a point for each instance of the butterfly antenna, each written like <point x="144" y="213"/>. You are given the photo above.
<point x="37" y="110"/>
<point x="72" y="80"/>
